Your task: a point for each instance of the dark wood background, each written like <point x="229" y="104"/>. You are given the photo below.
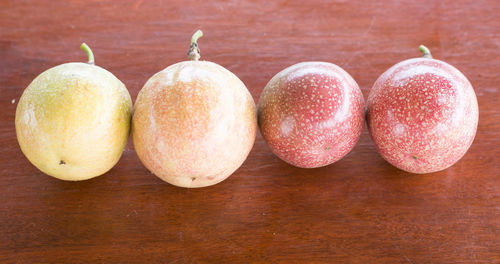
<point x="358" y="210"/>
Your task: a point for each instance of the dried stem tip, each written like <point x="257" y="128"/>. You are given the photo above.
<point x="194" y="51"/>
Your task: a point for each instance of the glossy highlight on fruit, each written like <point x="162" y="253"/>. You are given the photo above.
<point x="194" y="122"/>
<point x="73" y="120"/>
<point x="311" y="114"/>
<point x="422" y="114"/>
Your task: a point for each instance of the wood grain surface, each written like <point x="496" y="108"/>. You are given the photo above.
<point x="358" y="210"/>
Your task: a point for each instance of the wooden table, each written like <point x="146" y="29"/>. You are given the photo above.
<point x="358" y="210"/>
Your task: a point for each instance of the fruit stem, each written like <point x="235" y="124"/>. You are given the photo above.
<point x="425" y="51"/>
<point x="87" y="49"/>
<point x="194" y="51"/>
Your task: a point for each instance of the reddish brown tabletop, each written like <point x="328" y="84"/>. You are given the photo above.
<point x="358" y="210"/>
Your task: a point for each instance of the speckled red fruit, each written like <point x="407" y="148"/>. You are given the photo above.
<point x="422" y="115"/>
<point x="311" y="114"/>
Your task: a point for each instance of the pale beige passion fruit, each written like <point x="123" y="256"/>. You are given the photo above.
<point x="73" y="120"/>
<point x="194" y="122"/>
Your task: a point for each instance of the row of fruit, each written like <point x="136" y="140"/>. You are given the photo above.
<point x="194" y="123"/>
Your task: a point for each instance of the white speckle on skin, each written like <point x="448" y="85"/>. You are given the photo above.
<point x="390" y="115"/>
<point x="329" y="123"/>
<point x="287" y="125"/>
<point x="399" y="130"/>
<point x="440" y="127"/>
<point x="29" y="116"/>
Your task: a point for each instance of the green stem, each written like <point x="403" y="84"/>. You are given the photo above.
<point x="194" y="51"/>
<point x="198" y="34"/>
<point x="87" y="49"/>
<point x="425" y="51"/>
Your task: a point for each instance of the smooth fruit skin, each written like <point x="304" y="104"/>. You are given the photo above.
<point x="422" y="115"/>
<point x="73" y="121"/>
<point x="311" y="114"/>
<point x="194" y="124"/>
